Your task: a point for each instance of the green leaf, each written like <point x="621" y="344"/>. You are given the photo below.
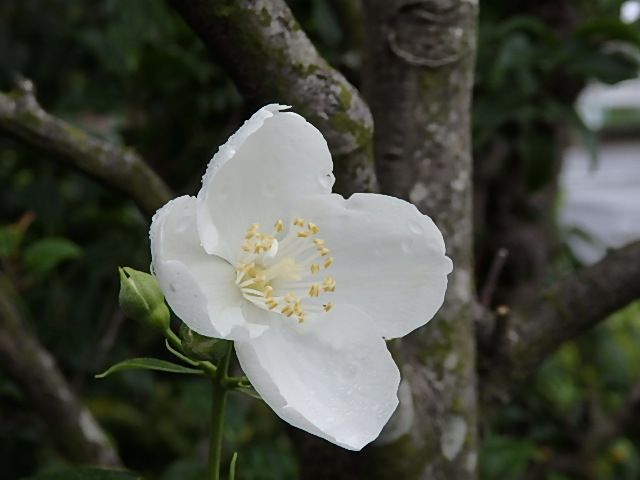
<point x="9" y="240"/>
<point x="506" y="458"/>
<point x="85" y="474"/>
<point x="42" y="256"/>
<point x="149" y="364"/>
<point x="609" y="29"/>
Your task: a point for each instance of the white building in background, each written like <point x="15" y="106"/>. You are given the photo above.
<point x="601" y="201"/>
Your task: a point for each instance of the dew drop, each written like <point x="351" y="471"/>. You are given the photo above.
<point x="349" y="371"/>
<point x="182" y="225"/>
<point x="327" y="180"/>
<point x="416" y="228"/>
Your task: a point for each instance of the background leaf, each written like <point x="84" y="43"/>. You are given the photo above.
<point x="44" y="255"/>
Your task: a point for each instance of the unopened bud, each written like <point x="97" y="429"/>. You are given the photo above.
<point x="141" y="298"/>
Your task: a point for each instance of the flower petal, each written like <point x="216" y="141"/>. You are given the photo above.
<point x="333" y="378"/>
<point x="199" y="288"/>
<point x="274" y="158"/>
<point x="389" y="259"/>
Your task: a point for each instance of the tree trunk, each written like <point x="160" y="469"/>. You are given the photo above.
<point x="418" y="81"/>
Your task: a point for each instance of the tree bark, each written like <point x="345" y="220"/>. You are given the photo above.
<point x="270" y="59"/>
<point x="121" y="168"/>
<point x="559" y="313"/>
<point x="418" y="81"/>
<point x="71" y="426"/>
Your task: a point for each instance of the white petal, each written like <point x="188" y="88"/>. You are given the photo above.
<point x="200" y="288"/>
<point x="389" y="259"/>
<point x="334" y="378"/>
<point x="273" y="159"/>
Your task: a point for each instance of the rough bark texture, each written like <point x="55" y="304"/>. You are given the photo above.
<point x="71" y="426"/>
<point x="560" y="313"/>
<point x="419" y="76"/>
<point x="270" y="59"/>
<point x="121" y="168"/>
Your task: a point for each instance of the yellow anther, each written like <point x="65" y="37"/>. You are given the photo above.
<point x="314" y="290"/>
<point x="260" y="278"/>
<point x="249" y="235"/>
<point x="298" y="222"/>
<point x="327" y="306"/>
<point x="287" y="310"/>
<point x="319" y="242"/>
<point x="313" y="228"/>
<point x="297" y="308"/>
<point x="329" y="284"/>
<point x="271" y="303"/>
<point x="304" y="233"/>
<point x="302" y="318"/>
<point x="279" y="225"/>
<point x="290" y="297"/>
<point x="246" y="247"/>
<point x="248" y="267"/>
<point x="268" y="291"/>
<point x="315" y="268"/>
<point x="328" y="262"/>
<point x="324" y="251"/>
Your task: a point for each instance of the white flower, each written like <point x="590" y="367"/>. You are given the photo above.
<point x="307" y="284"/>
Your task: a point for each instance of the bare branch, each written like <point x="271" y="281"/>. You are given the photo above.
<point x="563" y="312"/>
<point x="270" y="58"/>
<point x="121" y="168"/>
<point x="71" y="426"/>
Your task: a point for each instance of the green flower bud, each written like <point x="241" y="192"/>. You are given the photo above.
<point x="141" y="298"/>
<point x="199" y="346"/>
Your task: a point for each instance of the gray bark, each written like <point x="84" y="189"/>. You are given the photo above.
<point x="418" y="81"/>
<point x="121" y="168"/>
<point x="70" y="425"/>
<point x="270" y="59"/>
<point x="559" y="313"/>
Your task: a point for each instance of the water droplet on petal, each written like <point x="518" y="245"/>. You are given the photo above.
<point x="349" y="371"/>
<point x="416" y="228"/>
<point x="407" y="246"/>
<point x="327" y="180"/>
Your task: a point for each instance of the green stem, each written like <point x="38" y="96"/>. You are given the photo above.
<point x="220" y="389"/>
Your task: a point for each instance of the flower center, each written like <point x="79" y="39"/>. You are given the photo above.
<point x="284" y="271"/>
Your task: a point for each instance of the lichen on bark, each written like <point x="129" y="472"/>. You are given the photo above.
<point x="272" y="60"/>
<point x="423" y="52"/>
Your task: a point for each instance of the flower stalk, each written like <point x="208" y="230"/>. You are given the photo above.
<point x="219" y="399"/>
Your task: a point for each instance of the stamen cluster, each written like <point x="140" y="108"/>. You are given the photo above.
<point x="273" y="268"/>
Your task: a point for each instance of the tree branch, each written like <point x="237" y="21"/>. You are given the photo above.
<point x="73" y="429"/>
<point x="121" y="168"/>
<point x="270" y="59"/>
<point x="561" y="313"/>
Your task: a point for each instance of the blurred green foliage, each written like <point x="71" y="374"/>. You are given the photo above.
<point x="132" y="72"/>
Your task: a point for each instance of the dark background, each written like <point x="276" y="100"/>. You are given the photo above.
<point x="133" y="73"/>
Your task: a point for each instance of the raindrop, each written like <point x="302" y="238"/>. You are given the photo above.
<point x="416" y="228"/>
<point x="326" y="180"/>
<point x="350" y="371"/>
